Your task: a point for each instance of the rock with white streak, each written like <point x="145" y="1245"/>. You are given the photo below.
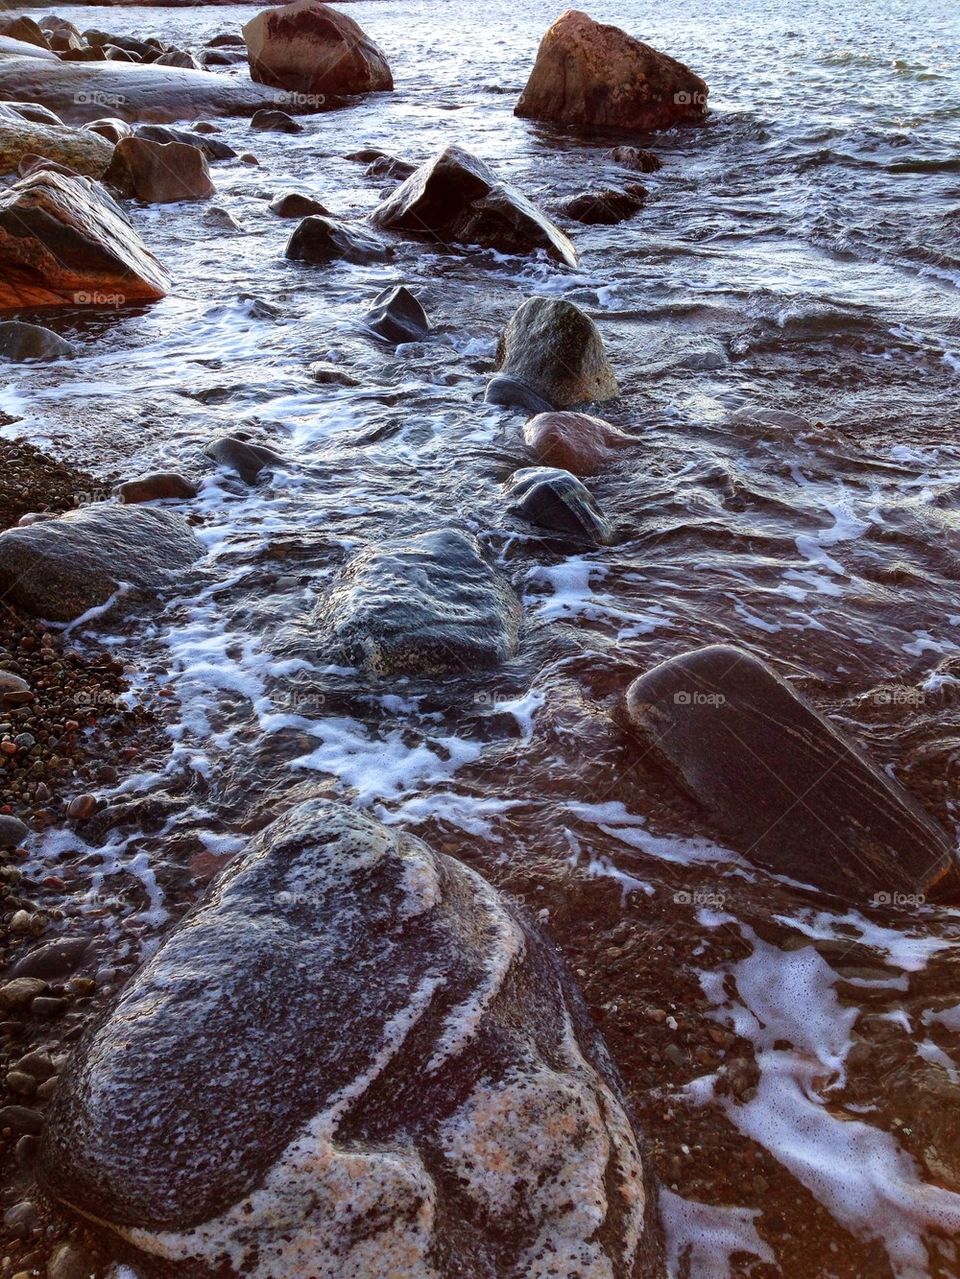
<point x="353" y="1059"/>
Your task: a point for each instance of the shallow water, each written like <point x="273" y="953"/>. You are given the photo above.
<point x="799" y="252"/>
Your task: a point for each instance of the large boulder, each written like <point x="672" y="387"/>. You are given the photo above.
<point x="63" y="240"/>
<point x="310" y="48"/>
<point x="556" y="500"/>
<point x="588" y="74"/>
<point x="354" y="1058"/>
<point x="25" y="29"/>
<point x="11" y="48"/>
<point x="20" y="341"/>
<point x="321" y="239"/>
<point x="77" y="149"/>
<point x="579" y="442"/>
<point x="425" y="605"/>
<point x="456" y="198"/>
<point x="553" y="348"/>
<point x="159" y="172"/>
<point x="782" y="785"/>
<point x="61" y="567"/>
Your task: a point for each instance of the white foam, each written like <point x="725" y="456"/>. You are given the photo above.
<point x="702" y="1238"/>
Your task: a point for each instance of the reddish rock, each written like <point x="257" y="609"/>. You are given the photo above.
<point x="574" y="442"/>
<point x="309" y="48"/>
<point x="159" y="172"/>
<point x="159" y="484"/>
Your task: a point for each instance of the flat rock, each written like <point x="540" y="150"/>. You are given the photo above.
<point x="159" y="172"/>
<point x="11" y="48"/>
<point x="431" y="604"/>
<point x="63" y="240"/>
<point x="355" y="1058"/>
<point x="397" y="316"/>
<point x="577" y="442"/>
<point x="556" y="350"/>
<point x="321" y="239"/>
<point x="458" y="199"/>
<point x="20" y="341"/>
<point x="588" y="74"/>
<point x="61" y="567"/>
<point x="783" y="785"/>
<point x="76" y="149"/>
<point x="53" y="959"/>
<point x="313" y="49"/>
<point x="555" y="499"/>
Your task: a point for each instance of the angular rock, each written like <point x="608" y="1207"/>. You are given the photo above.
<point x="576" y="442"/>
<point x="155" y="487"/>
<point x="784" y="786"/>
<point x="431" y="1102"/>
<point x="425" y="605"/>
<point x="588" y="74"/>
<point x="247" y="459"/>
<point x="158" y="172"/>
<point x="321" y="239"/>
<point x="274" y="121"/>
<point x="456" y="198"/>
<point x="556" y="500"/>
<point x="63" y="240"/>
<point x="212" y="148"/>
<point x="24" y="29"/>
<point x="330" y="375"/>
<point x="604" y="207"/>
<point x="20" y="341"/>
<point x="111" y="129"/>
<point x="291" y="204"/>
<point x="635" y="158"/>
<point x="310" y="48"/>
<point x="77" y="149"/>
<point x="31" y="164"/>
<point x="511" y="393"/>
<point x="557" y="351"/>
<point x="397" y="316"/>
<point x="223" y="220"/>
<point x="62" y="567"/>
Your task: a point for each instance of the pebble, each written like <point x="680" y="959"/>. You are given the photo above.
<point x="22" y="922"/>
<point x="81" y="807"/>
<point x="21" y="1220"/>
<point x="21" y="1119"/>
<point x="37" y="1064"/>
<point x="69" y="1261"/>
<point x="10" y="683"/>
<point x="48" y="1006"/>
<point x="19" y="1082"/>
<point x="20" y="992"/>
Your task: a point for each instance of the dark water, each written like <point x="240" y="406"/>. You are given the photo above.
<point x="799" y="252"/>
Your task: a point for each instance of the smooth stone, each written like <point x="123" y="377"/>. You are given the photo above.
<point x="313" y="49"/>
<point x="10" y="683"/>
<point x="75" y="149"/>
<point x="321" y="239"/>
<point x="248" y="460"/>
<point x="397" y="316"/>
<point x="783" y="785"/>
<point x="603" y="207"/>
<point x="212" y="148"/>
<point x="227" y="39"/>
<point x="332" y="375"/>
<point x="575" y="442"/>
<point x="223" y="220"/>
<point x="291" y="204"/>
<point x="11" y="49"/>
<point x="159" y="172"/>
<point x="275" y="122"/>
<point x="21" y="1219"/>
<point x="178" y="58"/>
<point x="157" y="486"/>
<point x="556" y="500"/>
<point x="557" y="351"/>
<point x="430" y="604"/>
<point x="511" y="393"/>
<point x="12" y="831"/>
<point x="54" y="959"/>
<point x="18" y="994"/>
<point x="635" y="158"/>
<point x="70" y="1261"/>
<point x="21" y="341"/>
<point x="21" y="1119"/>
<point x="111" y="129"/>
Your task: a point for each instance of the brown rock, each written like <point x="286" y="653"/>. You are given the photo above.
<point x="309" y="48"/>
<point x="159" y="484"/>
<point x="74" y="149"/>
<point x="20" y="993"/>
<point x="159" y="172"/>
<point x="575" y="442"/>
<point x="554" y="349"/>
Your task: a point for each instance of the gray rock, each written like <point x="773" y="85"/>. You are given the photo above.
<point x="556" y="350"/>
<point x="332" y="375"/>
<point x="389" y="166"/>
<point x="178" y="58"/>
<point x="70" y="1261"/>
<point x="247" y="459"/>
<point x="20" y="341"/>
<point x="397" y="316"/>
<point x="21" y="1219"/>
<point x="556" y="500"/>
<point x="53" y="959"/>
<point x="510" y="392"/>
<point x="354" y="1058"/>
<point x="424" y="605"/>
<point x="273" y="121"/>
<point x="291" y="204"/>
<point x="12" y="831"/>
<point x="34" y="112"/>
<point x="62" y="567"/>
<point x="635" y="158"/>
<point x="223" y="220"/>
<point x="158" y="485"/>
<point x="321" y="239"/>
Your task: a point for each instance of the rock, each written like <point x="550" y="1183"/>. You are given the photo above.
<point x="20" y="1119"/>
<point x="33" y="112"/>
<point x="21" y="1220"/>
<point x="575" y="441"/>
<point x="119" y="55"/>
<point x="635" y="158"/>
<point x="54" y="959"/>
<point x="222" y="57"/>
<point x="25" y="29"/>
<point x="310" y="48"/>
<point x="511" y="393"/>
<point x="12" y="831"/>
<point x="397" y="316"/>
<point x="70" y="1261"/>
<point x="10" y="683"/>
<point x="248" y="460"/>
<point x="456" y="198"/>
<point x="159" y="173"/>
<point x="226" y="39"/>
<point x="433" y="1102"/>
<point x="178" y="58"/>
<point x="11" y="49"/>
<point x="604" y="207"/>
<point x="291" y="204"/>
<point x="54" y="25"/>
<point x="87" y="553"/>
<point x="63" y="240"/>
<point x="77" y="149"/>
<point x="424" y="605"/>
<point x="784" y="786"/>
<point x="321" y="239"/>
<point x="275" y="122"/>
<point x="212" y="148"/>
<point x="31" y="164"/>
<point x="249" y="158"/>
<point x="20" y="993"/>
<point x="556" y="500"/>
<point x="111" y="129"/>
<point x="223" y="220"/>
<point x="331" y="375"/>
<point x="44" y="1006"/>
<point x="20" y="341"/>
<point x="205" y="126"/>
<point x="556" y="350"/>
<point x="388" y="166"/>
<point x="588" y="74"/>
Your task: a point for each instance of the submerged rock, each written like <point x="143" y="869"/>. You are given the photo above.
<point x="397" y="316"/>
<point x="63" y="240"/>
<point x="274" y="121"/>
<point x="590" y="74"/>
<point x="389" y="166"/>
<point x="310" y="48"/>
<point x="86" y="554"/>
<point x="604" y="207"/>
<point x="556" y="500"/>
<point x="20" y="341"/>
<point x="247" y="459"/>
<point x="155" y="486"/>
<point x="322" y="239"/>
<point x="291" y="204"/>
<point x="782" y="785"/>
<point x="159" y="172"/>
<point x="557" y="351"/>
<point x="635" y="158"/>
<point x="425" y="605"/>
<point x="355" y="1058"/>
<point x="456" y="198"/>
<point x="575" y="441"/>
<point x="76" y="149"/>
<point x="511" y="393"/>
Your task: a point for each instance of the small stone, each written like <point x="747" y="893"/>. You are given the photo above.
<point x="249" y="159"/>
<point x="21" y="1220"/>
<point x="26" y="1149"/>
<point x="46" y="1006"/>
<point x="674" y="1054"/>
<point x="70" y="1261"/>
<point x="25" y="741"/>
<point x="20" y="992"/>
<point x="21" y="1119"/>
<point x="22" y="1084"/>
<point x="12" y="831"/>
<point x="657" y="1014"/>
<point x="22" y="922"/>
<point x="37" y="1064"/>
<point x="10" y="683"/>
<point x="46" y="1090"/>
<point x="82" y="807"/>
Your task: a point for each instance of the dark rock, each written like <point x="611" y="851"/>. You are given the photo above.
<point x="366" y="155"/>
<point x="511" y="393"/>
<point x="635" y="158"/>
<point x="21" y="1219"/>
<point x="397" y="316"/>
<point x="291" y="204"/>
<point x="434" y="1101"/>
<point x="226" y="40"/>
<point x="588" y="74"/>
<point x="20" y="341"/>
<point x="158" y="172"/>
<point x="332" y="375"/>
<point x="388" y="166"/>
<point x="119" y="55"/>
<point x="12" y="831"/>
<point x="575" y="441"/>
<point x="31" y="164"/>
<point x="21" y="1119"/>
<point x="248" y="460"/>
<point x="557" y="351"/>
<point x="222" y="219"/>
<point x="25" y="29"/>
<point x="104" y="39"/>
<point x="222" y="57"/>
<point x="275" y="122"/>
<point x="603" y="208"/>
<point x="178" y="58"/>
<point x="556" y="500"/>
<point x="111" y="129"/>
<point x="456" y="198"/>
<point x="47" y="1006"/>
<point x="83" y="53"/>
<point x="156" y="486"/>
<point x="321" y="239"/>
<point x="782" y="785"/>
<point x="212" y="148"/>
<point x="54" y="959"/>
<point x="310" y="48"/>
<point x="20" y="993"/>
<point x="424" y="605"/>
<point x="86" y="555"/>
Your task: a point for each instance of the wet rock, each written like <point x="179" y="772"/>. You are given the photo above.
<point x="226" y="39"/>
<point x="321" y="239"/>
<point x="158" y="172"/>
<point x="556" y="500"/>
<point x="456" y="198"/>
<point x="247" y="459"/>
<point x="87" y="553"/>
<point x="310" y="48"/>
<point x="291" y="204"/>
<point x="603" y="207"/>
<point x="223" y="220"/>
<point x="70" y="1261"/>
<point x="556" y="350"/>
<point x="275" y="122"/>
<point x="76" y="149"/>
<point x="53" y="959"/>
<point x="20" y="993"/>
<point x="590" y="74"/>
<point x="21" y="1119"/>
<point x="25" y="29"/>
<point x="434" y="1101"/>
<point x="576" y="442"/>
<point x="20" y="341"/>
<point x="178" y="58"/>
<point x="212" y="148"/>
<point x="23" y="50"/>
<point x="784" y="786"/>
<point x="512" y="393"/>
<point x="111" y="129"/>
<point x="635" y="158"/>
<point x="33" y="112"/>
<point x="31" y="164"/>
<point x="425" y="605"/>
<point x="332" y="375"/>
<point x="63" y="240"/>
<point x="388" y="166"/>
<point x="45" y="1006"/>
<point x="397" y="316"/>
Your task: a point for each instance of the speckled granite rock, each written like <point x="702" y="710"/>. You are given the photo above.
<point x="77" y="149"/>
<point x="354" y="1059"/>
